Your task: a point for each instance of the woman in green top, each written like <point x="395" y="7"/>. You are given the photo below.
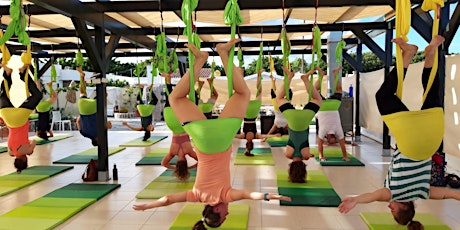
<point x="298" y="148"/>
<point x="43" y="110"/>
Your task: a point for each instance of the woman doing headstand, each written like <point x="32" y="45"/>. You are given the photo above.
<point x="418" y="135"/>
<point x="212" y="185"/>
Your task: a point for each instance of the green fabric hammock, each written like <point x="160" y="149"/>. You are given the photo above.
<point x="17" y="25"/>
<point x="232" y="16"/>
<point x="211" y="86"/>
<point x="286" y="49"/>
<point x="188" y="6"/>
<point x="316" y="57"/>
<point x="338" y="60"/>
<point x="259" y="67"/>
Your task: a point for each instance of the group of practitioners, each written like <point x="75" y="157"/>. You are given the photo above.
<point x="408" y="177"/>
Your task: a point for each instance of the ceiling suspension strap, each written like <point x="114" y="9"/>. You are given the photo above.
<point x="403" y="21"/>
<point x="435" y="5"/>
<point x="188" y="7"/>
<point x="232" y="17"/>
<point x="286" y="50"/>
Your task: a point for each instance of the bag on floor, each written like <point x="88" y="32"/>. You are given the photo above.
<point x="438" y="170"/>
<point x="91" y="172"/>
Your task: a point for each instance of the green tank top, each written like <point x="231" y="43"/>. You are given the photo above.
<point x="206" y="107"/>
<point x="330" y="105"/>
<point x="299" y="120"/>
<point x="87" y="106"/>
<point x="171" y="121"/>
<point x="253" y="109"/>
<point x="215" y="135"/>
<point x="145" y="110"/>
<point x="44" y="106"/>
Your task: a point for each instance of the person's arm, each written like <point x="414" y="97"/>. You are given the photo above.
<point x="265" y="136"/>
<point x="240" y="136"/>
<point x="349" y="203"/>
<point x="438" y="193"/>
<point x="215" y="94"/>
<point x="236" y="194"/>
<point x="124" y="123"/>
<point x="164" y="201"/>
<point x="165" y="161"/>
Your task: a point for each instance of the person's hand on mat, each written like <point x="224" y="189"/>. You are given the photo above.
<point x="141" y="207"/>
<point x="346" y="159"/>
<point x="278" y="197"/>
<point x="264" y="139"/>
<point x="347" y="204"/>
<point x="124" y="123"/>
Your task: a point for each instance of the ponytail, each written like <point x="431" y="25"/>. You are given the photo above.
<point x="415" y="225"/>
<point x="199" y="225"/>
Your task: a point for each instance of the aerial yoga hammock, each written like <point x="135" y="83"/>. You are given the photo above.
<point x="213" y="137"/>
<point x="329" y="124"/>
<point x="180" y="145"/>
<point x="249" y="124"/>
<point x="418" y="133"/>
<point x="87" y="107"/>
<point x="43" y="109"/>
<point x="299" y="121"/>
<point x="17" y="119"/>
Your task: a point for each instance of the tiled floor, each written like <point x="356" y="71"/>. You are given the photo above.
<point x="114" y="211"/>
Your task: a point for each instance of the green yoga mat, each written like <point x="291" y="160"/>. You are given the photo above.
<point x="316" y="192"/>
<point x="385" y="221"/>
<point x="237" y="218"/>
<point x="86" y="156"/>
<point x="334" y="158"/>
<point x="166" y="184"/>
<point x="41" y="141"/>
<point x="155" y="156"/>
<point x="56" y="207"/>
<point x="14" y="181"/>
<point x="263" y="156"/>
<point x="278" y="141"/>
<point x="139" y="143"/>
<point x="3" y="149"/>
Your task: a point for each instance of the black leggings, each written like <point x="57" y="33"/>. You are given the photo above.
<point x="273" y="93"/>
<point x="388" y="102"/>
<point x="30" y="103"/>
<point x="153" y="100"/>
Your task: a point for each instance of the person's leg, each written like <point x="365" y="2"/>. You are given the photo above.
<point x="387" y="101"/>
<point x="315" y="96"/>
<point x="237" y="104"/>
<point x="4" y="99"/>
<point x="281" y="92"/>
<point x="169" y="87"/>
<point x="259" y="84"/>
<point x="184" y="109"/>
<point x="338" y="88"/>
<point x="153" y="97"/>
<point x="433" y="98"/>
<point x="82" y="86"/>
<point x="53" y="98"/>
<point x="35" y="94"/>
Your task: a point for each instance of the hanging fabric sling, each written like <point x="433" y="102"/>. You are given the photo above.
<point x="233" y="18"/>
<point x="418" y="134"/>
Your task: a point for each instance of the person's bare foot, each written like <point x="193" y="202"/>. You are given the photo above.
<point x="288" y="72"/>
<point x="224" y="48"/>
<point x="197" y="53"/>
<point x="408" y="50"/>
<point x="346" y="159"/>
<point x="49" y="84"/>
<point x="336" y="70"/>
<point x="248" y="154"/>
<point x="436" y="41"/>
<point x="322" y="159"/>
<point x="210" y="80"/>
<point x="167" y="76"/>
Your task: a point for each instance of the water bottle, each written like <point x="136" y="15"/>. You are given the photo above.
<point x="350" y="91"/>
<point x="115" y="172"/>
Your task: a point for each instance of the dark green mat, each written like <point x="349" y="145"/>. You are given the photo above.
<point x="139" y="143"/>
<point x="166" y="184"/>
<point x="263" y="156"/>
<point x="237" y="218"/>
<point x="86" y="156"/>
<point x="155" y="157"/>
<point x="316" y="192"/>
<point x="14" y="181"/>
<point x="385" y="221"/>
<point x="56" y="207"/>
<point x="58" y="137"/>
<point x="278" y="141"/>
<point x="334" y="158"/>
